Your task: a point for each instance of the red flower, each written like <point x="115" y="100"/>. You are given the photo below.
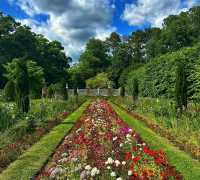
<point x="128" y="156"/>
<point x="134" y="149"/>
<point x="136" y="159"/>
<point x="146" y="150"/>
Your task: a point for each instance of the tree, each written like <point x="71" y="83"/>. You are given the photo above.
<point x="99" y="81"/>
<point x="95" y="58"/>
<point x="181" y="87"/>
<point x="113" y="41"/>
<point x="22" y="86"/>
<point x="122" y="59"/>
<point x="9" y="91"/>
<point x="51" y="57"/>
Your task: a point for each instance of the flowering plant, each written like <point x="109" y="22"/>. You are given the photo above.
<point x="103" y="146"/>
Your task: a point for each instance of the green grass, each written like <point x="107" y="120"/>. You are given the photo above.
<point x="189" y="168"/>
<point x="33" y="159"/>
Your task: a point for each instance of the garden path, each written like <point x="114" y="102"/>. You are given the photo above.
<point x="102" y="146"/>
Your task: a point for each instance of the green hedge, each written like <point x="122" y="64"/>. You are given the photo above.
<point x="157" y="78"/>
<point x="33" y="160"/>
<point x="189" y="168"/>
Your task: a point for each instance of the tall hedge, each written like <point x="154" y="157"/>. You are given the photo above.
<point x="158" y="77"/>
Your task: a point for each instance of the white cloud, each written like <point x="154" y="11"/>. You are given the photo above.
<point x="153" y="11"/>
<point x="191" y="3"/>
<point x="72" y="22"/>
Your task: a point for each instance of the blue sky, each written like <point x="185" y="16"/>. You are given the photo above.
<point x="73" y="22"/>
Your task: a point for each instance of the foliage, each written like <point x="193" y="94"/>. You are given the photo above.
<point x="92" y="61"/>
<point x="158" y="77"/>
<point x="195" y="79"/>
<point x="121" y="59"/>
<point x="9" y="91"/>
<point x="35" y="73"/>
<point x="99" y="81"/>
<point x="18" y="41"/>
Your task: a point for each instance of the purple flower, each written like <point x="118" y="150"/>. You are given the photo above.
<point x="125" y="130"/>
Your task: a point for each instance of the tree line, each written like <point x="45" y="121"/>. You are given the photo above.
<point x="117" y="56"/>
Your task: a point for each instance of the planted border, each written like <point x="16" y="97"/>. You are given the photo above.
<point x="189" y="168"/>
<point x="28" y="165"/>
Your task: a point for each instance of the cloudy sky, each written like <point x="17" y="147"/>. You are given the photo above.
<point x="73" y="22"/>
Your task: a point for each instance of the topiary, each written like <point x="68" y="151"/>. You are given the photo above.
<point x="22" y="86"/>
<point x="181" y="87"/>
<point x="135" y="89"/>
<point x="51" y="91"/>
<point x="9" y="91"/>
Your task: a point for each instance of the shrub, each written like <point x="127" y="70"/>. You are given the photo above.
<point x="9" y="91"/>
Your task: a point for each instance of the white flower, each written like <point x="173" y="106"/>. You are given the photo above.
<point x="115" y="138"/>
<point x="143" y="144"/>
<point x="128" y="136"/>
<point x="108" y="167"/>
<point x="83" y="175"/>
<point x="94" y="171"/>
<point x="64" y="155"/>
<point x="88" y="167"/>
<point x="119" y="178"/>
<point x="110" y="160"/>
<point x="112" y="174"/>
<point x="57" y="170"/>
<point x="77" y="131"/>
<point x="117" y="163"/>
<point x="121" y="145"/>
<point x="62" y="160"/>
<point x="130" y="173"/>
<point x="123" y="162"/>
<point x="130" y="130"/>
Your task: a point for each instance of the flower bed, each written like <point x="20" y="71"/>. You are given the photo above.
<point x="102" y="146"/>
